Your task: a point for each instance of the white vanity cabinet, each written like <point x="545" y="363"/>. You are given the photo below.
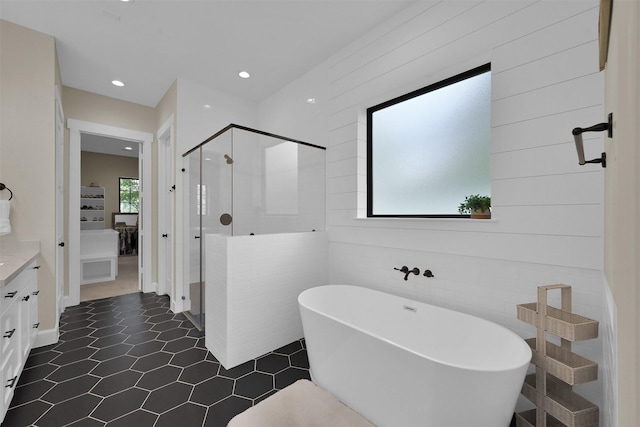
<point x="19" y="323"/>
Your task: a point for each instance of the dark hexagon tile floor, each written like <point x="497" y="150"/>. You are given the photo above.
<point x="130" y="361"/>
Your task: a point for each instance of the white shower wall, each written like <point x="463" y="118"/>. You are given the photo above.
<point x="252" y="284"/>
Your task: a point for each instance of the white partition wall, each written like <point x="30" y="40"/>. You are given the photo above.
<point x="253" y="283"/>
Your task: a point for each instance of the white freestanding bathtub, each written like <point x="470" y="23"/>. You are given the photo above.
<point x="403" y="363"/>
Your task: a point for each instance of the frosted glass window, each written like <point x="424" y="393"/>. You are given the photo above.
<point x="429" y="149"/>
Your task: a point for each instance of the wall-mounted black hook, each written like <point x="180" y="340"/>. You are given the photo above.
<point x="600" y="127"/>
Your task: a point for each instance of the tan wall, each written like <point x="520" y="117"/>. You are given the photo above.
<point x="622" y="203"/>
<point x="90" y="107"/>
<point x="105" y="171"/>
<point x="27" y="148"/>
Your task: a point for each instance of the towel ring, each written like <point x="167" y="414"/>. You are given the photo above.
<point x="4" y="187"/>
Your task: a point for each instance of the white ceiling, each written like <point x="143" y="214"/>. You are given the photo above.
<point x="149" y="43"/>
<point x="107" y="145"/>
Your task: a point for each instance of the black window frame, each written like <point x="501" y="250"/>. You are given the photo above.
<point x="430" y="88"/>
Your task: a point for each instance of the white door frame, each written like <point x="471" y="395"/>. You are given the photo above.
<point x="60" y="250"/>
<point x="76" y="129"/>
<point x="166" y="203"/>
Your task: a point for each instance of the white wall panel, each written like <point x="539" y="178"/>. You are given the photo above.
<point x="561" y="66"/>
<point x="547" y="225"/>
<point x="581" y="92"/>
<point x="540" y="161"/>
<point x="565" y="189"/>
<point x="547" y="24"/>
<point x="546" y="130"/>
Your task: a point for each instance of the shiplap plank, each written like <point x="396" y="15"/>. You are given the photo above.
<point x="566" y="96"/>
<point x="539" y="161"/>
<point x="347" y="200"/>
<point x="572" y="220"/>
<point x="342" y="184"/>
<point x="477" y="30"/>
<point x="424" y="33"/>
<point x="342" y="167"/>
<point x="401" y="30"/>
<point x="565" y="220"/>
<point x="549" y="39"/>
<point x="571" y="251"/>
<point x="567" y="189"/>
<point x="343" y="134"/>
<point x="343" y="151"/>
<point x="543" y="131"/>
<point x="562" y="66"/>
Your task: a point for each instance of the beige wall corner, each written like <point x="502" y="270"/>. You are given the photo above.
<point x="27" y="143"/>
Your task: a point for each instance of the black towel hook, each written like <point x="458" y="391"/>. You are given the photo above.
<point x="4" y="187"/>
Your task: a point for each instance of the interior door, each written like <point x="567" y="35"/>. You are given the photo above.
<point x="60" y="250"/>
<point x="167" y="203"/>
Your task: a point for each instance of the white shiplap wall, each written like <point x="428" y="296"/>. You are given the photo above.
<point x="548" y="220"/>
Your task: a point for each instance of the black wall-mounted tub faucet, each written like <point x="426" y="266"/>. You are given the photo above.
<point x="406" y="271"/>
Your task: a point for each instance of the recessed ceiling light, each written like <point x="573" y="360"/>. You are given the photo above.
<point x="244" y="74"/>
<point x="311" y="100"/>
<point x="128" y="148"/>
<point x="117" y="83"/>
<point x="207" y="106"/>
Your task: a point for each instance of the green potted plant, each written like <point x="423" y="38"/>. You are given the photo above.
<point x="476" y="205"/>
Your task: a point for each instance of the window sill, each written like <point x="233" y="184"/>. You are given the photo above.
<point x="412" y="219"/>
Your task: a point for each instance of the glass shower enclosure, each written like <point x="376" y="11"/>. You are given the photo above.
<point x="243" y="182"/>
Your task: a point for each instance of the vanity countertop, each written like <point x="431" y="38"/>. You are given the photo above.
<point x="14" y="257"/>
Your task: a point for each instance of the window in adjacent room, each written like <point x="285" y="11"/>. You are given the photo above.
<point x="429" y="149"/>
<point x="129" y="195"/>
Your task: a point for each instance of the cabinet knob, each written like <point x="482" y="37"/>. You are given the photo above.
<point x="165" y="235"/>
<point x="61" y="244"/>
<point x="26" y="298"/>
<point x="36" y="325"/>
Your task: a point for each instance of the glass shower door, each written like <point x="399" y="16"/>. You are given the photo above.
<point x="210" y="178"/>
<point x="195" y="239"/>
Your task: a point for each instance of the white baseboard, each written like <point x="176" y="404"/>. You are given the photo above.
<point x="178" y="306"/>
<point x="47" y="337"/>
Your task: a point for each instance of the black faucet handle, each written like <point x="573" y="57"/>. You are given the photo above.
<point x="404" y="269"/>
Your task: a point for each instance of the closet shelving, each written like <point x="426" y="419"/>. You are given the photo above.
<point x="558" y="369"/>
<point x="92" y="208"/>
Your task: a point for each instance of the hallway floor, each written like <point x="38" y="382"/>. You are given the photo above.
<point x="129" y="361"/>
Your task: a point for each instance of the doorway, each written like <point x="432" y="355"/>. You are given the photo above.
<point x="109" y="224"/>
<point x="77" y="129"/>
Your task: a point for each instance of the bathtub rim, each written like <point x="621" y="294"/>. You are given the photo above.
<point x="510" y="367"/>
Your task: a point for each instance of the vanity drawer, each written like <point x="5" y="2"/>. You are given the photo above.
<point x="11" y="291"/>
